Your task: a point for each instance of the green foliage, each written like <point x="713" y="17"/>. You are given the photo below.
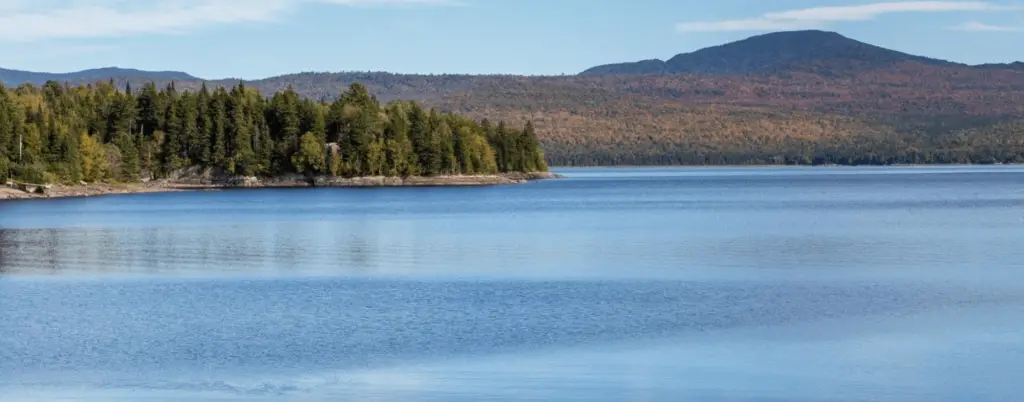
<point x="311" y="156"/>
<point x="99" y="133"/>
<point x="130" y="163"/>
<point x="5" y="168"/>
<point x="35" y="173"/>
<point x="94" y="159"/>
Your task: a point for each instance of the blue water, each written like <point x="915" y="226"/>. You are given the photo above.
<point x="724" y="284"/>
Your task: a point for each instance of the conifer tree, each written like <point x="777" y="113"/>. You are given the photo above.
<point x="125" y="135"/>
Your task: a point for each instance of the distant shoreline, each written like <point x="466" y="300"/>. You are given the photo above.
<point x="168" y="186"/>
<point x="781" y="166"/>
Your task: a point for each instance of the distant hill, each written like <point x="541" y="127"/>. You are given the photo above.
<point x="788" y="96"/>
<point x="18" y="77"/>
<point x="1002" y="66"/>
<point x="810" y="50"/>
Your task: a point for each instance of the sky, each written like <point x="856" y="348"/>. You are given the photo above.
<point x="254" y="39"/>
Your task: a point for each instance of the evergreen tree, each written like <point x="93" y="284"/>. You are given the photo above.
<point x="125" y="135"/>
<point x="449" y="164"/>
<point x="204" y="125"/>
<point x="401" y="160"/>
<point x="242" y="159"/>
<point x="464" y="151"/>
<point x="419" y="135"/>
<point x="357" y="124"/>
<point x="219" y="129"/>
<point x="173" y="141"/>
<point x="502" y="147"/>
<point x="192" y="144"/>
<point x="130" y="162"/>
<point x="531" y="150"/>
<point x="148" y="107"/>
<point x="285" y="121"/>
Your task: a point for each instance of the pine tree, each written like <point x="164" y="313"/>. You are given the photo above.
<point x="464" y="150"/>
<point x="204" y="125"/>
<point x="219" y="129"/>
<point x="130" y="163"/>
<point x="147" y="108"/>
<point x="531" y="150"/>
<point x="242" y="159"/>
<point x="419" y="135"/>
<point x="173" y="141"/>
<point x="125" y="135"/>
<point x="446" y="145"/>
<point x="285" y="120"/>
<point x="192" y="144"/>
<point x="502" y="147"/>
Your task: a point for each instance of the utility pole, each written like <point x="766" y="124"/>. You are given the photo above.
<point x="21" y="144"/>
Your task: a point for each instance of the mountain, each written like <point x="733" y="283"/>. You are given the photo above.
<point x="767" y="99"/>
<point x="1002" y="66"/>
<point x="18" y="77"/>
<point x="809" y="50"/>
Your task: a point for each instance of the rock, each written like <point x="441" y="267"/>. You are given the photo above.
<point x="197" y="175"/>
<point x="287" y="180"/>
<point x="242" y="181"/>
<point x="543" y="176"/>
<point x="532" y="175"/>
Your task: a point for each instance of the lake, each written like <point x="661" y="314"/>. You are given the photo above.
<point x="703" y="284"/>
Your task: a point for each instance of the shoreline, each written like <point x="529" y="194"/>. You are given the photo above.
<point x="197" y="184"/>
<point x="556" y="167"/>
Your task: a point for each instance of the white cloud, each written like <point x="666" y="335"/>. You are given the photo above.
<point x="750" y="24"/>
<point x="976" y="26"/>
<point x="818" y="17"/>
<point x="391" y="2"/>
<point x="23" y="20"/>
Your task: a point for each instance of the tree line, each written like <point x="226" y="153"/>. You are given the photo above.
<point x="595" y="127"/>
<point x="62" y="133"/>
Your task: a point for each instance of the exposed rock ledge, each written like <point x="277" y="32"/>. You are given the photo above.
<point x="219" y="178"/>
<point x="195" y="178"/>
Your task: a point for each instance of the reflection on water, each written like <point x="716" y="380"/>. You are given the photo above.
<point x="881" y="284"/>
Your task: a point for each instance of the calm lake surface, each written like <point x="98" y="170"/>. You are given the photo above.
<point x="723" y="284"/>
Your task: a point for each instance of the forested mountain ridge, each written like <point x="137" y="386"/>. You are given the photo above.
<point x="903" y="110"/>
<point x="18" y="77"/>
<point x="809" y="50"/>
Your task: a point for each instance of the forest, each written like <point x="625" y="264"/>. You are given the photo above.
<point x="58" y="133"/>
<point x="910" y="113"/>
<point x="597" y="126"/>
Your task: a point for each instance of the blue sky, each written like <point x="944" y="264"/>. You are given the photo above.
<point x="259" y="38"/>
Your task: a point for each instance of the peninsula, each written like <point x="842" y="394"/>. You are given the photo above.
<point x="78" y="139"/>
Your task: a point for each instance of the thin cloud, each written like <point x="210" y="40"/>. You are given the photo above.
<point x="976" y="26"/>
<point x="751" y="24"/>
<point x="395" y="2"/>
<point x="23" y="21"/>
<point x="818" y="17"/>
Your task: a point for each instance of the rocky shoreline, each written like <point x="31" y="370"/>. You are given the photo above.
<point x="193" y="179"/>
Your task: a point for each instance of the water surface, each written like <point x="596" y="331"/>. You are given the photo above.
<point x="738" y="284"/>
